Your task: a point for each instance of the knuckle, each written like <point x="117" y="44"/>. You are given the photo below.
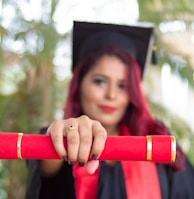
<point x="56" y="122"/>
<point x="55" y="138"/>
<point x="100" y="131"/>
<point x="97" y="123"/>
<point x="102" y="135"/>
<point x="85" y="119"/>
<point x="73" y="139"/>
<point x="85" y="140"/>
<point x="71" y="120"/>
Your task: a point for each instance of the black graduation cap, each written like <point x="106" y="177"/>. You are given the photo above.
<point x="136" y="39"/>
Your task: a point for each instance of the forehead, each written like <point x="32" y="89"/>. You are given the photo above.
<point x="110" y="66"/>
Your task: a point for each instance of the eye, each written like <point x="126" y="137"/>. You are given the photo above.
<point x="122" y="85"/>
<point x="99" y="81"/>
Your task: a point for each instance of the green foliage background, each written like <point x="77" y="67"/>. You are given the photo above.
<point x="37" y="94"/>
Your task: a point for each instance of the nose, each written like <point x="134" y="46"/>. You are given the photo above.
<point x="111" y="92"/>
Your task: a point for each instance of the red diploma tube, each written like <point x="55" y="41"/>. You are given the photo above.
<point x="155" y="148"/>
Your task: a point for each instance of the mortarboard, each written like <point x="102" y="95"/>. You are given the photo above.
<point x="135" y="39"/>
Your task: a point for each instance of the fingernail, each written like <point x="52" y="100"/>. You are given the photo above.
<point x="65" y="158"/>
<point x="81" y="164"/>
<point x="94" y="157"/>
<point x="72" y="163"/>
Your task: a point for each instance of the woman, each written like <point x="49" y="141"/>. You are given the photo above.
<point x="105" y="98"/>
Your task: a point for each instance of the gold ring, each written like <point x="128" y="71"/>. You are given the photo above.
<point x="19" y="141"/>
<point x="71" y="127"/>
<point x="149" y="148"/>
<point x="173" y="148"/>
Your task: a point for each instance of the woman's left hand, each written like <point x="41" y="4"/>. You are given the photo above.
<point x="85" y="140"/>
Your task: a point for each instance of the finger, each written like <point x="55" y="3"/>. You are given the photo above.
<point x="85" y="130"/>
<point x="92" y="166"/>
<point x="72" y="134"/>
<point x="56" y="130"/>
<point x="99" y="140"/>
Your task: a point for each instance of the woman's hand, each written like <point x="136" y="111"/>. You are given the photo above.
<point x="85" y="139"/>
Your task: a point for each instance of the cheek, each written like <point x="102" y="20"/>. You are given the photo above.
<point x="88" y="95"/>
<point x="125" y="100"/>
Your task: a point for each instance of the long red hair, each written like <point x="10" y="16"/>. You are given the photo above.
<point x="137" y="116"/>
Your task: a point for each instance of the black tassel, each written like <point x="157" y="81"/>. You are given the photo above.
<point x="154" y="56"/>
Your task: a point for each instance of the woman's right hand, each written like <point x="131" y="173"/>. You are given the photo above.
<point x="85" y="140"/>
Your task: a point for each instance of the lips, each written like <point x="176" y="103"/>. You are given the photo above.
<point x="108" y="109"/>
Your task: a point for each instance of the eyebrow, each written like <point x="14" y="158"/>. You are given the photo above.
<point x="106" y="77"/>
<point x="101" y="75"/>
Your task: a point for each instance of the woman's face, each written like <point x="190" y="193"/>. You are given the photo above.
<point x="103" y="92"/>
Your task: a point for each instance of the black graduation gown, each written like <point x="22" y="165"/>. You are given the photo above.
<point x="173" y="185"/>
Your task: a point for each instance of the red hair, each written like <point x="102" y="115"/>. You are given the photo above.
<point x="137" y="118"/>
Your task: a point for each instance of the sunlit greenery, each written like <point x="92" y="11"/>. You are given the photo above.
<point x="34" y="73"/>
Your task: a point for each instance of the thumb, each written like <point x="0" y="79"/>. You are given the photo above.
<point x="91" y="166"/>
